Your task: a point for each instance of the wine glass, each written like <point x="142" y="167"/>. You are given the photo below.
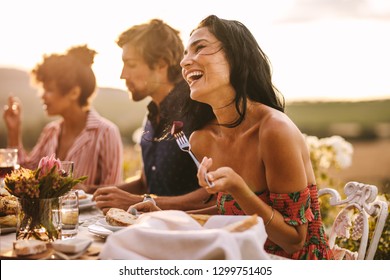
<point x="8" y="162"/>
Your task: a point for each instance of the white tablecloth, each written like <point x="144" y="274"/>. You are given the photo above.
<point x="175" y="235"/>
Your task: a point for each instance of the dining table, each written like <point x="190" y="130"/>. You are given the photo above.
<point x="87" y="216"/>
<point x="154" y="247"/>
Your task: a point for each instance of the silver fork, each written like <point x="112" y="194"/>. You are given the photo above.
<point x="185" y="146"/>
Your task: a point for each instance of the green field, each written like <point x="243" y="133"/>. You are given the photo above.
<point x="318" y="118"/>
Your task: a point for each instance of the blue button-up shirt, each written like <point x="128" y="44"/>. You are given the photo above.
<point x="169" y="171"/>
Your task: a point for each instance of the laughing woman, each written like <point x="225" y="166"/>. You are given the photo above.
<point x="81" y="134"/>
<point x="252" y="152"/>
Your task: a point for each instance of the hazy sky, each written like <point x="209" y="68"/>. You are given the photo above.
<point x="319" y="49"/>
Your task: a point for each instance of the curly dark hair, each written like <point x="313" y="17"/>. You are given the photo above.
<point x="68" y="71"/>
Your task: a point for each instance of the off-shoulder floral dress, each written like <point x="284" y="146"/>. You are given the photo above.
<point x="297" y="208"/>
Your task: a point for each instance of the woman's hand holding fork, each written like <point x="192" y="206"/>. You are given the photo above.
<point x="223" y="179"/>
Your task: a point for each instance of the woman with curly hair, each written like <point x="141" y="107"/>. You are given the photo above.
<point x="81" y="135"/>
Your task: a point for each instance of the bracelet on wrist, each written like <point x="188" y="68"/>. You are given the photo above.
<point x="149" y="197"/>
<point x="271" y="218"/>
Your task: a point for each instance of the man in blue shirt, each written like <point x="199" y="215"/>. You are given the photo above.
<point x="151" y="55"/>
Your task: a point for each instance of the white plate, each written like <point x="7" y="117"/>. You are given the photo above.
<point x="7" y="229"/>
<point x="73" y="245"/>
<point x="102" y="222"/>
<point x="86" y="200"/>
<point x="99" y="230"/>
<point x="87" y="205"/>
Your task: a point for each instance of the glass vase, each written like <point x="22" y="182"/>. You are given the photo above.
<point x="39" y="218"/>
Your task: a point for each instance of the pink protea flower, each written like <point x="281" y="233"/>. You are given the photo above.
<point x="48" y="181"/>
<point x="47" y="163"/>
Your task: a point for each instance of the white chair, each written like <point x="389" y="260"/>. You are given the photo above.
<point x="352" y="220"/>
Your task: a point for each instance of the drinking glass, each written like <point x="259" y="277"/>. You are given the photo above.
<point x="67" y="168"/>
<point x="69" y="214"/>
<point x="8" y="162"/>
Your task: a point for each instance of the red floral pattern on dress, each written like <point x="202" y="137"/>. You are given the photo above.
<point x="297" y="208"/>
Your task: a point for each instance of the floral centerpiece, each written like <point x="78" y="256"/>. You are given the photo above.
<point x="39" y="193"/>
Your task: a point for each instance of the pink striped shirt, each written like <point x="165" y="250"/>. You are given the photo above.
<point x="97" y="152"/>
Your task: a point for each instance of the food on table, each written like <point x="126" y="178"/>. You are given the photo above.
<point x="82" y="194"/>
<point x="8" y="208"/>
<point x="29" y="247"/>
<point x="8" y="221"/>
<point x="234" y="227"/>
<point x="4" y="192"/>
<point x="119" y="217"/>
<point x="177" y="126"/>
<point x="200" y="218"/>
<point x="242" y="225"/>
<point x="8" y="205"/>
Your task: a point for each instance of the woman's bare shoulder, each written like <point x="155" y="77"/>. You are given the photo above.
<point x="198" y="138"/>
<point x="277" y="129"/>
<point x="282" y="142"/>
<point x="277" y="124"/>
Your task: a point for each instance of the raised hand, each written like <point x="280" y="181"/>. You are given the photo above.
<point x="13" y="120"/>
<point x="12" y="113"/>
<point x="224" y="179"/>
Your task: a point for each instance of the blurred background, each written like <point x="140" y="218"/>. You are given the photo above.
<point x="330" y="59"/>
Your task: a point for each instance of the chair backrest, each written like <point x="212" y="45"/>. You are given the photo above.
<point x="352" y="220"/>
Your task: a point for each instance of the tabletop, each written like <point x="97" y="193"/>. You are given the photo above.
<point x="87" y="217"/>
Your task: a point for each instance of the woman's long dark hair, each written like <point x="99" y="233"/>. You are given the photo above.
<point x="250" y="72"/>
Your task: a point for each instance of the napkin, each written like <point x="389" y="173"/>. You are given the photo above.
<point x="174" y="235"/>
